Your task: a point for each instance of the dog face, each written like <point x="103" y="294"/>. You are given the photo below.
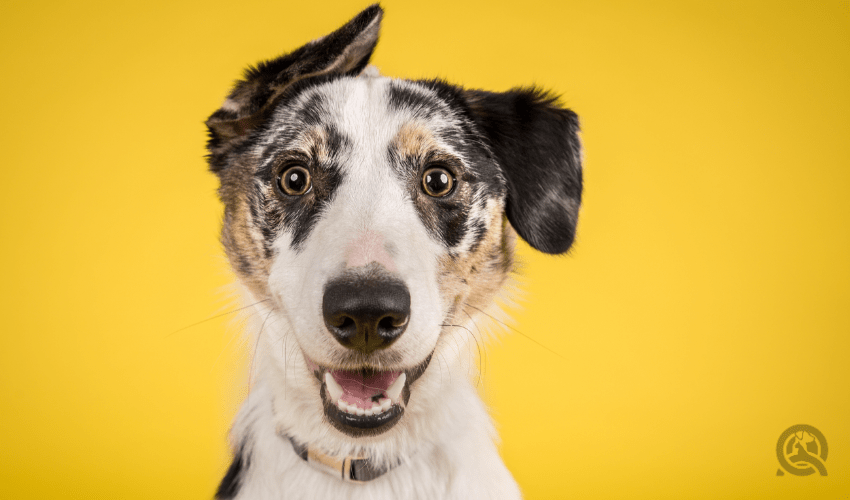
<point x="370" y="218"/>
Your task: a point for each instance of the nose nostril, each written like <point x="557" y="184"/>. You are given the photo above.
<point x="366" y="314"/>
<point x="387" y="323"/>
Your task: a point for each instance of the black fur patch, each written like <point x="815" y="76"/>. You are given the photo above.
<point x="336" y="141"/>
<point x="232" y="481"/>
<point x="419" y="103"/>
<point x="536" y="143"/>
<point x="313" y="110"/>
<point x="300" y="221"/>
<point x="448" y="217"/>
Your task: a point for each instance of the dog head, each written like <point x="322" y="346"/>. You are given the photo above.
<point x="373" y="218"/>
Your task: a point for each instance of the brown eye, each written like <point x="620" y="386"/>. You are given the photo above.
<point x="438" y="182"/>
<point x="294" y="181"/>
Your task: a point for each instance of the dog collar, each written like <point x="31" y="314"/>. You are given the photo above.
<point x="359" y="469"/>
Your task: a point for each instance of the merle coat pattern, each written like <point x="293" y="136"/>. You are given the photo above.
<point x="371" y="224"/>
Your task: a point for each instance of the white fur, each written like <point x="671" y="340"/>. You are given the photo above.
<point x="447" y="450"/>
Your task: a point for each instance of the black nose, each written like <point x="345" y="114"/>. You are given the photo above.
<point x="366" y="314"/>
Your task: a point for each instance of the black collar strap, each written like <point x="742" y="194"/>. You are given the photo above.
<point x="349" y="469"/>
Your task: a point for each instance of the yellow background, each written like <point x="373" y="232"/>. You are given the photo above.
<point x="703" y="310"/>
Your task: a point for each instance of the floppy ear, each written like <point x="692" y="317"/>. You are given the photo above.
<point x="538" y="149"/>
<point x="346" y="51"/>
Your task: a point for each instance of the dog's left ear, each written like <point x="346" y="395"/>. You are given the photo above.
<point x="346" y="51"/>
<point x="538" y="149"/>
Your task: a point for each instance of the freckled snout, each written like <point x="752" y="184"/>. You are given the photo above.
<point x="366" y="313"/>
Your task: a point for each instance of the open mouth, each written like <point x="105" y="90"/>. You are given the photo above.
<point x="365" y="401"/>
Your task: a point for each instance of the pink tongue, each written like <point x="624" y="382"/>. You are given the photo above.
<point x="358" y="389"/>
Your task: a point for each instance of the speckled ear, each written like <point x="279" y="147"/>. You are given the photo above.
<point x="537" y="146"/>
<point x="346" y="51"/>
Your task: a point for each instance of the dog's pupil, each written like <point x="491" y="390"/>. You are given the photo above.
<point x="295" y="180"/>
<point x="437" y="182"/>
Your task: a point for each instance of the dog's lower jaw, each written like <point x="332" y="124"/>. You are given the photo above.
<point x="446" y="452"/>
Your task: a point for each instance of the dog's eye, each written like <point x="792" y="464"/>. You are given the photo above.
<point x="294" y="180"/>
<point x="438" y="181"/>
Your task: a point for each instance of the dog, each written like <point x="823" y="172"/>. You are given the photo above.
<point x="371" y="222"/>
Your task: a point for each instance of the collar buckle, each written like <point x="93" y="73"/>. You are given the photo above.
<point x="357" y="469"/>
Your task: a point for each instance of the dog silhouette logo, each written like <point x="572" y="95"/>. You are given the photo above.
<point x="801" y="451"/>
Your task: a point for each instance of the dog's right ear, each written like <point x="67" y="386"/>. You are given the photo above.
<point x="346" y="51"/>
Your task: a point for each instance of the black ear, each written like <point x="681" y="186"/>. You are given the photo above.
<point x="346" y="51"/>
<point x="538" y="149"/>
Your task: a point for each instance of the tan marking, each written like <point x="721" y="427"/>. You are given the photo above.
<point x="314" y="142"/>
<point x="242" y="241"/>
<point x="474" y="278"/>
<point x="414" y="140"/>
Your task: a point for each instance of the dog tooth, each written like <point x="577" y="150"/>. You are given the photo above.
<point x="385" y="404"/>
<point x="333" y="388"/>
<point x="342" y="404"/>
<point x="394" y="391"/>
<point x="369" y="412"/>
<point x="360" y="412"/>
<point x="376" y="408"/>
